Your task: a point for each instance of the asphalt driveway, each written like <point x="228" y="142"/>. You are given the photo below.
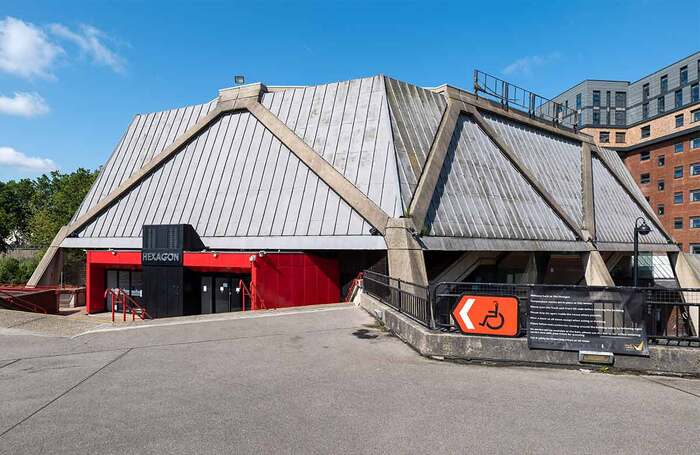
<point x="317" y="380"/>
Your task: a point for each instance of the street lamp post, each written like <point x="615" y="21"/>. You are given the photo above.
<point x="639" y="229"/>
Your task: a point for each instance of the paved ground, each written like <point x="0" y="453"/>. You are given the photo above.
<point x="324" y="381"/>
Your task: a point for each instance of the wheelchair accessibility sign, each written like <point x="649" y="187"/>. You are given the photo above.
<point x="487" y="315"/>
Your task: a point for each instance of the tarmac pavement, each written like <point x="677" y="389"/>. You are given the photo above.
<point x="317" y="380"/>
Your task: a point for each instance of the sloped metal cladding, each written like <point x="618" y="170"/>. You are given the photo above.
<point x="615" y="211"/>
<point x="612" y="157"/>
<point x="415" y="117"/>
<point x="480" y="194"/>
<point x="555" y="161"/>
<point x="235" y="179"/>
<point x="347" y="123"/>
<point x="147" y="136"/>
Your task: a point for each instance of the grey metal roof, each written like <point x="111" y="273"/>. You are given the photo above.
<point x="480" y="194"/>
<point x="147" y="135"/>
<point x="615" y="211"/>
<point x="240" y="187"/>
<point x="554" y="160"/>
<point x="234" y="180"/>
<point x="347" y="123"/>
<point x="415" y="118"/>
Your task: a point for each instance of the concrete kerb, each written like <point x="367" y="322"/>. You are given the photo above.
<point x="677" y="361"/>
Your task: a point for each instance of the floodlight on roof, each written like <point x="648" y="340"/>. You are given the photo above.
<point x="239" y="79"/>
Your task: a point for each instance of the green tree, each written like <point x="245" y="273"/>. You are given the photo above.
<point x="16" y="206"/>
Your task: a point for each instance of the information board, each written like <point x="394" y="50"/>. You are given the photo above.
<point x="586" y="319"/>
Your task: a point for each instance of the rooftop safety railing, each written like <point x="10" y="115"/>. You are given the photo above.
<point x="536" y="106"/>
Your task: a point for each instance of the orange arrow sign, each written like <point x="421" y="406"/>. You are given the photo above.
<point x="487" y="315"/>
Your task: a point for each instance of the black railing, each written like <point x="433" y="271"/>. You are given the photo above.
<point x="536" y="106"/>
<point x="411" y="299"/>
<point x="671" y="314"/>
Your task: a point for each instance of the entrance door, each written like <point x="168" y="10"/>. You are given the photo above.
<point x="225" y="292"/>
<point x="206" y="291"/>
<point x="222" y="294"/>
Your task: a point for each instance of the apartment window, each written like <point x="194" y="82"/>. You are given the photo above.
<point x="596" y="117"/>
<point x="678" y="148"/>
<point x="695" y="143"/>
<point x="664" y="84"/>
<point x="621" y="99"/>
<point x="694" y="195"/>
<point x="661" y="105"/>
<point x="695" y="115"/>
<point x="684" y="75"/>
<point x="660" y="209"/>
<point x="661" y="160"/>
<point x="620" y="118"/>
<point x="645" y="111"/>
<point x="620" y="138"/>
<point x="660" y="185"/>
<point x="645" y="91"/>
<point x="678" y="223"/>
<point x="679" y="98"/>
<point x="695" y="169"/>
<point x="644" y="178"/>
<point x="566" y="105"/>
<point x="678" y="197"/>
<point x="604" y="137"/>
<point x="596" y="98"/>
<point x="646" y="131"/>
<point x="694" y="248"/>
<point x="678" y="172"/>
<point x="607" y="98"/>
<point x="578" y="101"/>
<point x="695" y="93"/>
<point x="645" y="155"/>
<point x="679" y="120"/>
<point x="648" y="199"/>
<point x="694" y="222"/>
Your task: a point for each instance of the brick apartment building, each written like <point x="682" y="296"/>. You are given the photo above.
<point x="654" y="123"/>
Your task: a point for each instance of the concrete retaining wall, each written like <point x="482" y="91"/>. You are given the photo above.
<point x="662" y="359"/>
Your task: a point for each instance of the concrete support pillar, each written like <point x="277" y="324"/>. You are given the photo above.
<point x="49" y="269"/>
<point x="465" y="265"/>
<point x="404" y="253"/>
<point x="531" y="269"/>
<point x="687" y="272"/>
<point x="596" y="272"/>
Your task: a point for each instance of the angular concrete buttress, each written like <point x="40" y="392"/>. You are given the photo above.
<point x="404" y="253"/>
<point x="596" y="272"/>
<point x="687" y="270"/>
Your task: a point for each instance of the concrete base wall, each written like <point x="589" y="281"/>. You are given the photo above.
<point x="662" y="359"/>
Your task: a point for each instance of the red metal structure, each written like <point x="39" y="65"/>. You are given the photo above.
<point x="129" y="305"/>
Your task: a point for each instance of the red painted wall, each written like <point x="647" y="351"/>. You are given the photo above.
<point x="286" y="280"/>
<point x="277" y="280"/>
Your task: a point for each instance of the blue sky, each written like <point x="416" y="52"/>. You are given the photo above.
<point x="73" y="74"/>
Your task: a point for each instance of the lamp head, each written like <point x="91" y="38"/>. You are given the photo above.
<point x="644" y="228"/>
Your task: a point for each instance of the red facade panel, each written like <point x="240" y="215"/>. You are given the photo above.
<point x="278" y="280"/>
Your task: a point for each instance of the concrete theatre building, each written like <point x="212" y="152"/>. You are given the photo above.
<point x="291" y="191"/>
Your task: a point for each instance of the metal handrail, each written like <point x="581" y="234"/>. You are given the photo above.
<point x="127" y="303"/>
<point x="21" y="303"/>
<point x="353" y="285"/>
<point x="536" y="106"/>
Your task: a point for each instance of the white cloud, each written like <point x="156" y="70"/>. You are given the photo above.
<point x="12" y="158"/>
<point x="527" y="65"/>
<point x="91" y="40"/>
<point x="23" y="104"/>
<point x="25" y="50"/>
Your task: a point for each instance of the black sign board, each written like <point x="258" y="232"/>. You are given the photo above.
<point x="587" y="319"/>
